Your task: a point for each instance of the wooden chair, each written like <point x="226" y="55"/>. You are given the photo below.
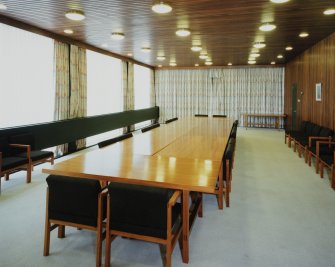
<point x="200" y="115"/>
<point x="143" y="213"/>
<point x="9" y="162"/>
<point x="219" y="116"/>
<point x="114" y="140"/>
<point x="150" y="127"/>
<point x="301" y="142"/>
<point x="36" y="156"/>
<point x="291" y="134"/>
<point x="326" y="159"/>
<point x="171" y="120"/>
<point x="74" y="202"/>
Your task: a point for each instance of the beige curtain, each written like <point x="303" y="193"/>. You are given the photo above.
<point x="62" y="103"/>
<point x="152" y="89"/>
<point x="128" y="89"/>
<point x="78" y="75"/>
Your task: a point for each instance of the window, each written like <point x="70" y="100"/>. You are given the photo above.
<point x="27" y="88"/>
<point x="104" y="90"/>
<point x="142" y="86"/>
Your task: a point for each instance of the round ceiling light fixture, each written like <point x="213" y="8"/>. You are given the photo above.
<point x="196" y="48"/>
<point x="252" y="62"/>
<point x="259" y="45"/>
<point x="183" y="32"/>
<point x="273" y="62"/>
<point x="330" y="11"/>
<point x="161" y="8"/>
<point x="173" y="64"/>
<point x="280" y="56"/>
<point x="230" y="64"/>
<point x="254" y="55"/>
<point x="203" y="56"/>
<point x="117" y="36"/>
<point x="303" y="34"/>
<point x="288" y="48"/>
<point x="68" y="31"/>
<point x="160" y="58"/>
<point x="208" y="63"/>
<point x="267" y="27"/>
<point x="146" y="49"/>
<point x="76" y="15"/>
<point x="279" y="1"/>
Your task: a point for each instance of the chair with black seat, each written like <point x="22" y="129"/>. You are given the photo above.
<point x="289" y="134"/>
<point x="326" y="158"/>
<point x="36" y="156"/>
<point x="219" y="116"/>
<point x="171" y="120"/>
<point x="75" y="202"/>
<point x="301" y="142"/>
<point x="298" y="135"/>
<point x="200" y="115"/>
<point x="144" y="213"/>
<point x="114" y="140"/>
<point x="150" y="127"/>
<point x="10" y="162"/>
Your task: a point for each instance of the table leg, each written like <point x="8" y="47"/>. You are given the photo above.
<point x="186" y="227"/>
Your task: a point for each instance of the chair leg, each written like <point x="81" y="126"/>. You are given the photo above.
<point x="108" y="249"/>
<point x="7" y="176"/>
<point x="309" y="158"/>
<point x="29" y="173"/>
<point x="306" y="155"/>
<point x="168" y="254"/>
<point x="321" y="169"/>
<point x="200" y="211"/>
<point x="317" y="162"/>
<point x="98" y="248"/>
<point x="332" y="177"/>
<point x="61" y="231"/>
<point x="46" y="229"/>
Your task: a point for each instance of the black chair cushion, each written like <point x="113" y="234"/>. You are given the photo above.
<point x="316" y="130"/>
<point x="145" y="129"/>
<point x="4" y="148"/>
<point x="12" y="162"/>
<point x="73" y="199"/>
<point x="200" y="115"/>
<point x="37" y="155"/>
<point x="327" y="158"/>
<point x="114" y="140"/>
<point x="219" y="116"/>
<point x="140" y="209"/>
<point x="171" y="120"/>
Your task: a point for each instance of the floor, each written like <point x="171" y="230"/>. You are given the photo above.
<point x="281" y="214"/>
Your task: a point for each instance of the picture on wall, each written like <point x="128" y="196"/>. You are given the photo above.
<point x="318" y="92"/>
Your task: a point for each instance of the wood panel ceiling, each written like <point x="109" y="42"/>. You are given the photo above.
<point x="226" y="29"/>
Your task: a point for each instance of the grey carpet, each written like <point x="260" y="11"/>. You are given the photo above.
<point x="281" y="214"/>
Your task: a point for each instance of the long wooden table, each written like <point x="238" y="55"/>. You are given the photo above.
<point x="248" y="120"/>
<point x="184" y="155"/>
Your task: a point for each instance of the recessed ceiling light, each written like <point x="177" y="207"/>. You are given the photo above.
<point x="160" y="58"/>
<point x="129" y="54"/>
<point x="208" y="63"/>
<point x="173" y="64"/>
<point x="3" y="7"/>
<point x="280" y="56"/>
<point x="279" y="1"/>
<point x="197" y="65"/>
<point x="159" y="66"/>
<point x="68" y="31"/>
<point x="75" y="15"/>
<point x="273" y="62"/>
<point x="288" y="48"/>
<point x="203" y="56"/>
<point x="196" y="48"/>
<point x="330" y="11"/>
<point x="252" y="62"/>
<point x="146" y="49"/>
<point x="230" y="64"/>
<point x="183" y="32"/>
<point x="161" y="8"/>
<point x="259" y="45"/>
<point x="254" y="55"/>
<point x="303" y="34"/>
<point x="267" y="27"/>
<point x="117" y="35"/>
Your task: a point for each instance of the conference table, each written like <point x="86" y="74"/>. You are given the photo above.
<point x="185" y="155"/>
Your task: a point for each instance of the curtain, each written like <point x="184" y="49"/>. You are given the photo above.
<point x="128" y="89"/>
<point x="225" y="91"/>
<point x="62" y="98"/>
<point x="78" y="75"/>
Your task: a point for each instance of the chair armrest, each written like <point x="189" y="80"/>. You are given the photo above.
<point x="27" y="147"/>
<point x="311" y="138"/>
<point x="174" y="198"/>
<point x="0" y="163"/>
<point x="318" y="143"/>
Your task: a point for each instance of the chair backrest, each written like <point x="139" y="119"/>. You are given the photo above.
<point x="171" y="120"/>
<point x="304" y="125"/>
<point x="200" y="115"/>
<point x="23" y="139"/>
<point x="219" y="116"/>
<point x="139" y="209"/>
<point x="309" y="128"/>
<point x="148" y="128"/>
<point x="316" y="130"/>
<point x="4" y="148"/>
<point x="325" y="132"/>
<point x="73" y="199"/>
<point x="228" y="155"/>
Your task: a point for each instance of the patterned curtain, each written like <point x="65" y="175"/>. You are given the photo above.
<point x="128" y="89"/>
<point x="62" y="104"/>
<point x="225" y="91"/>
<point x="78" y="99"/>
<point x="152" y="91"/>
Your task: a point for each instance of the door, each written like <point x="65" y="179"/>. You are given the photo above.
<point x="294" y="106"/>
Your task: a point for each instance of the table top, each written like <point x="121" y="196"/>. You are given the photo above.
<point x="185" y="155"/>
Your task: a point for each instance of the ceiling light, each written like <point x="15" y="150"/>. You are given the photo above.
<point x="288" y="48"/>
<point x="254" y="55"/>
<point x="159" y="66"/>
<point x="197" y="65"/>
<point x="208" y="63"/>
<point x="161" y="8"/>
<point x="3" y="7"/>
<point x="146" y="49"/>
<point x="68" y="31"/>
<point x="160" y="58"/>
<point x="279" y="1"/>
<point x="303" y="34"/>
<point x="117" y="35"/>
<point x="129" y="54"/>
<point x="267" y="27"/>
<point x="196" y="48"/>
<point x="183" y="32"/>
<point x="273" y="63"/>
<point x="252" y="62"/>
<point x="259" y="45"/>
<point x="230" y="64"/>
<point x="75" y="15"/>
<point x="330" y="11"/>
<point x="280" y="56"/>
<point x="173" y="64"/>
<point x="203" y="56"/>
